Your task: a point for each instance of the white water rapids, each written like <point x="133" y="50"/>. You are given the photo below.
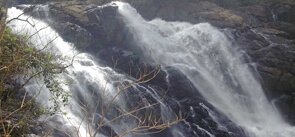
<point x="202" y="52"/>
<point x="83" y="65"/>
<point x="207" y="57"/>
<point x="90" y="85"/>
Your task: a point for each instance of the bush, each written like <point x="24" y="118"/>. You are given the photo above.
<point x="18" y="61"/>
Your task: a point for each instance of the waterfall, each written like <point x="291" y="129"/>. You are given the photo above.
<point x="92" y="87"/>
<point x="214" y="65"/>
<point x="208" y="58"/>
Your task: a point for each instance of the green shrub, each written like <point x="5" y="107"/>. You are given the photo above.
<point x="19" y="60"/>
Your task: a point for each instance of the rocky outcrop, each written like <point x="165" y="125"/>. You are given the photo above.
<point x="194" y="11"/>
<point x="89" y="27"/>
<point x="177" y="90"/>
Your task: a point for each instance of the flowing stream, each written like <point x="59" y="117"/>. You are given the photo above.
<point x="202" y="52"/>
<point x="214" y="65"/>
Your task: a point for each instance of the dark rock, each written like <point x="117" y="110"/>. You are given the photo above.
<point x="285" y="12"/>
<point x="286" y="104"/>
<point x="38" y="130"/>
<point x="89" y="27"/>
<point x="178" y="92"/>
<point x="107" y="131"/>
<point x="195" y="12"/>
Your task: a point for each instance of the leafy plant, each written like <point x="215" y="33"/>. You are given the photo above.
<point x="19" y="64"/>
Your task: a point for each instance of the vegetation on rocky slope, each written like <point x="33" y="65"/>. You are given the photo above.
<point x="18" y="112"/>
<point x="20" y="63"/>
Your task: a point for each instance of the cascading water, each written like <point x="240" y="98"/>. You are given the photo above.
<point x="202" y="52"/>
<point x="40" y="40"/>
<point x="207" y="57"/>
<point x="91" y="87"/>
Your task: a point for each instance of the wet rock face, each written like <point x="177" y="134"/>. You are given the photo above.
<point x="194" y="11"/>
<point x="88" y="26"/>
<point x="177" y="91"/>
<point x="284" y="12"/>
<point x="274" y="58"/>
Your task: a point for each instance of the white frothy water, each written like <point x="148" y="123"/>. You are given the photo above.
<point x="45" y="38"/>
<point x="91" y="86"/>
<point x="88" y="82"/>
<point x="206" y="56"/>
